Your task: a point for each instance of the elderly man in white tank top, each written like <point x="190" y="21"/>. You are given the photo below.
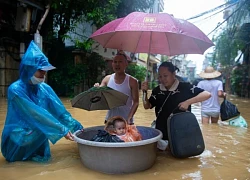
<point x="124" y="83"/>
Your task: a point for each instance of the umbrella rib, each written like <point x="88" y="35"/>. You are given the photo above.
<point x="197" y="45"/>
<point x="138" y="42"/>
<point x="105" y="99"/>
<point x="168" y="42"/>
<point x="149" y="49"/>
<point x="108" y="40"/>
<point x="180" y="27"/>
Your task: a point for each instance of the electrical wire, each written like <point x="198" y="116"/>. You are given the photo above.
<point x="228" y="17"/>
<point x="209" y="11"/>
<point x="232" y="29"/>
<point x="214" y="14"/>
<point x="236" y="19"/>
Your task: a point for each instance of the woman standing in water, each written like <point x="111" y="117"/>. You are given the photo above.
<point x="210" y="109"/>
<point x="178" y="95"/>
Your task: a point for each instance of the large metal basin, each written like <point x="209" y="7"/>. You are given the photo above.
<point x="118" y="158"/>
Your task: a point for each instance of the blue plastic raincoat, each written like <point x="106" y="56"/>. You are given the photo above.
<point x="35" y="114"/>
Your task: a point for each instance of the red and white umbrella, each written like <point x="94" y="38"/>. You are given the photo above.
<point x="153" y="33"/>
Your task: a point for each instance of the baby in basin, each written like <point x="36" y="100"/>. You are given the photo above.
<point x="118" y="126"/>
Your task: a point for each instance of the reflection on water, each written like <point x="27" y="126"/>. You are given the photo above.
<point x="227" y="153"/>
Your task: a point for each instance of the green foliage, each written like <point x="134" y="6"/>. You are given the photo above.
<point x="68" y="75"/>
<point x="127" y="6"/>
<point x="233" y="38"/>
<point x="95" y="67"/>
<point x="87" y="45"/>
<point x="68" y="13"/>
<point x="139" y="72"/>
<point x="103" y="13"/>
<point x="242" y="35"/>
<point x="164" y="58"/>
<point x="239" y="79"/>
<point x="153" y="84"/>
<point x="226" y="48"/>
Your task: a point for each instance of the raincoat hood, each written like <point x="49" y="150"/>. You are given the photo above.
<point x="33" y="60"/>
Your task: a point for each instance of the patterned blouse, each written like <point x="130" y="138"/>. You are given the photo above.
<point x="179" y="92"/>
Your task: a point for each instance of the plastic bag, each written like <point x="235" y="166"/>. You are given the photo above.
<point x="228" y="110"/>
<point x="104" y="136"/>
<point x="162" y="144"/>
<point x="238" y="122"/>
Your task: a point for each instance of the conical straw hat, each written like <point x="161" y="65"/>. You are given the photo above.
<point x="209" y="73"/>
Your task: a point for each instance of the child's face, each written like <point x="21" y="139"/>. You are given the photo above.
<point x="120" y="128"/>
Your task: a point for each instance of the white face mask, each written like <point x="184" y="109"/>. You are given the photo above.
<point x="36" y="80"/>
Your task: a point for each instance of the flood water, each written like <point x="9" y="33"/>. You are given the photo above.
<point x="227" y="153"/>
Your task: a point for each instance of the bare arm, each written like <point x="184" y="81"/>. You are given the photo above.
<point x="146" y="103"/>
<point x="135" y="96"/>
<point x="222" y="94"/>
<point x="199" y="98"/>
<point x="104" y="81"/>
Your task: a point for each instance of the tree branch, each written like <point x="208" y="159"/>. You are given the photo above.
<point x="43" y="18"/>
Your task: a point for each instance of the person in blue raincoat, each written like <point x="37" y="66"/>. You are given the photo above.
<point x="35" y="114"/>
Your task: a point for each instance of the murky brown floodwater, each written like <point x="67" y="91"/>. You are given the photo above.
<point x="227" y="154"/>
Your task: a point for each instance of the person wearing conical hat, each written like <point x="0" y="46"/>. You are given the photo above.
<point x="210" y="108"/>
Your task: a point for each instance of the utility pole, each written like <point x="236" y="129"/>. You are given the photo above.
<point x="37" y="37"/>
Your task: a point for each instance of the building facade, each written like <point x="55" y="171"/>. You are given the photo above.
<point x="18" y="23"/>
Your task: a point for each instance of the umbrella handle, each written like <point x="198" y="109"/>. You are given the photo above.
<point x="144" y="92"/>
<point x="95" y="99"/>
<point x="144" y="96"/>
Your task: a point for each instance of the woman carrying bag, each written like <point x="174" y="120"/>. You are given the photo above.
<point x="210" y="109"/>
<point x="177" y="94"/>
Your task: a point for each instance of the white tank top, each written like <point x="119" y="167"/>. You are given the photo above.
<point x="124" y="87"/>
